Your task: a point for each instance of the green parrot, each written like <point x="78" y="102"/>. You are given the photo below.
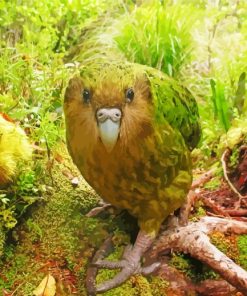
<point x="130" y="130"/>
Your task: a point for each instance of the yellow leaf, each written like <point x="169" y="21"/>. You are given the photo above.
<point x="47" y="287"/>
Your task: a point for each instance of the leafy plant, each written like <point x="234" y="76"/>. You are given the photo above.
<point x="221" y="103"/>
<point x="221" y="106"/>
<point x="157" y="35"/>
<point x="240" y="93"/>
<point x="15" y="200"/>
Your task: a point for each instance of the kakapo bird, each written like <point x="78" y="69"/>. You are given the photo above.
<point x="130" y="129"/>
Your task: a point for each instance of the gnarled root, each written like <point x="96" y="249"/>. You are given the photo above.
<point x="179" y="284"/>
<point x="193" y="239"/>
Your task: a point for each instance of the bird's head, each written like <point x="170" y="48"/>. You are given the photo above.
<point x="109" y="104"/>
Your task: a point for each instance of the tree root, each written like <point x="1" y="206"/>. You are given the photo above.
<point x="193" y="239"/>
<point x="179" y="282"/>
<point x="204" y="178"/>
<point x="192" y="196"/>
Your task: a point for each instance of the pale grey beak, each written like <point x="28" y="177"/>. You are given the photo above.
<point x="109" y="125"/>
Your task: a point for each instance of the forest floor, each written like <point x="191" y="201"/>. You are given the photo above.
<point x="50" y="240"/>
<point x="56" y="238"/>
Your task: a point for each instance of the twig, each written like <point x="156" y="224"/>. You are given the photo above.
<point x="186" y="208"/>
<point x="218" y="210"/>
<point x="237" y="212"/>
<point x="18" y="287"/>
<point x="204" y="178"/>
<point x="215" y="287"/>
<point x="223" y="162"/>
<point x="193" y="195"/>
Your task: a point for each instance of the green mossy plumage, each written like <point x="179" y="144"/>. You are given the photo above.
<point x="149" y="170"/>
<point x="175" y="104"/>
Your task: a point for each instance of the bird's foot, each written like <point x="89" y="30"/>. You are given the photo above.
<point x="129" y="265"/>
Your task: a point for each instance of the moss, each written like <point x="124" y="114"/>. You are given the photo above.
<point x="141" y="286"/>
<point x="218" y="239"/>
<point x="18" y="271"/>
<point x="158" y="286"/>
<point x="213" y="184"/>
<point x="234" y="159"/>
<point x="58" y="237"/>
<point x="56" y="232"/>
<point x="183" y="264"/>
<point x="2" y="240"/>
<point x="34" y="230"/>
<point x="192" y="268"/>
<point x="207" y="274"/>
<point x="198" y="211"/>
<point x="242" y="243"/>
<point x="120" y="238"/>
<point x="226" y="244"/>
<point x="136" y="285"/>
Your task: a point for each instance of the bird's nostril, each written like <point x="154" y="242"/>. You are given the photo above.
<point x="105" y="113"/>
<point x="116" y="115"/>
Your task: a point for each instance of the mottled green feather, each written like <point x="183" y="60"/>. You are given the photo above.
<point x="175" y="104"/>
<point x="149" y="171"/>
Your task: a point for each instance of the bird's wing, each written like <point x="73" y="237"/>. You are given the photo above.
<point x="175" y="104"/>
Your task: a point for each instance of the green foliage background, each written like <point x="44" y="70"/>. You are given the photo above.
<point x="43" y="43"/>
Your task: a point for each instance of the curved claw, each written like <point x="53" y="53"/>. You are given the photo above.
<point x="98" y="210"/>
<point x="121" y="277"/>
<point x="151" y="268"/>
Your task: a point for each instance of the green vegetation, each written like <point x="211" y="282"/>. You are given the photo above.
<point x="213" y="184"/>
<point x="136" y="285"/>
<point x="56" y="236"/>
<point x="157" y="35"/>
<point x="193" y="269"/>
<point x="42" y="44"/>
<point x="241" y="241"/>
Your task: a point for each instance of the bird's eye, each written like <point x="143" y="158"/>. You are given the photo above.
<point x="86" y="95"/>
<point x="129" y="95"/>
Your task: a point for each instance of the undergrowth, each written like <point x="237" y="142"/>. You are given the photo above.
<point x="43" y="43"/>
